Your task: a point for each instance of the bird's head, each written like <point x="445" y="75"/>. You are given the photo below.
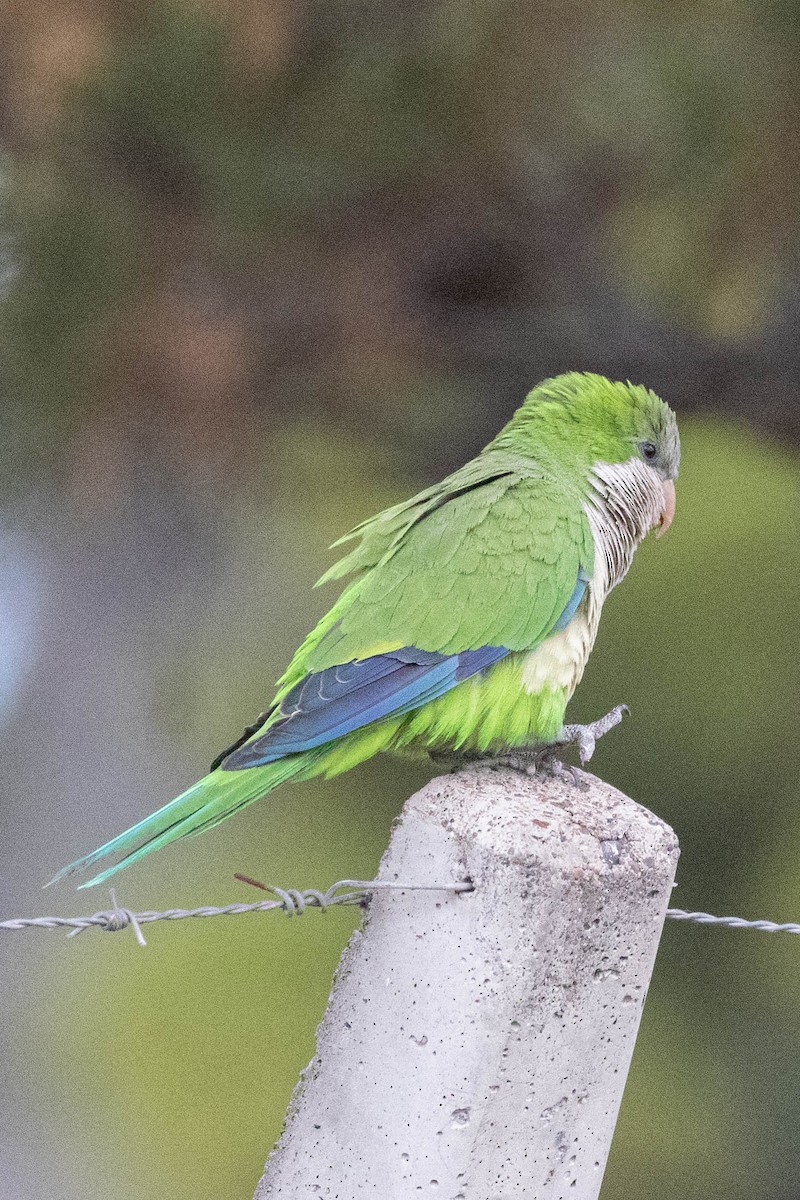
<point x="590" y="427"/>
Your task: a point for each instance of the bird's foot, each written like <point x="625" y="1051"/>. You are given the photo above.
<point x="541" y="760"/>
<point x="549" y="764"/>
<point x="523" y="759"/>
<point x="532" y="760"/>
<point x="585" y="737"/>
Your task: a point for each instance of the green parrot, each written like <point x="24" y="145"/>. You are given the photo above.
<point x="471" y="611"/>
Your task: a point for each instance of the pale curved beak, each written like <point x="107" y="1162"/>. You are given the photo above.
<point x="668" y="511"/>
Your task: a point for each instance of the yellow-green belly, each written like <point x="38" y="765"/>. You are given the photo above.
<point x="489" y="712"/>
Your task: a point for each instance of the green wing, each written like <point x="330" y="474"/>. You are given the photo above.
<point x="488" y="559"/>
<point x="487" y="563"/>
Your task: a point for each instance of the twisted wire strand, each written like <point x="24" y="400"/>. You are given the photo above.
<point x="295" y="901"/>
<point x="704" y="918"/>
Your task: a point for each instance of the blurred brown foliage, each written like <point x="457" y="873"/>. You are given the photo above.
<point x="226" y="209"/>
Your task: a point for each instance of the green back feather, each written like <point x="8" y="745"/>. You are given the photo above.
<point x="493" y="566"/>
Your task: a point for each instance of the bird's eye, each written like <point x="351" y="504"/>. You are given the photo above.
<point x="648" y="450"/>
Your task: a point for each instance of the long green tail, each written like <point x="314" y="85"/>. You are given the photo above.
<point x="201" y="807"/>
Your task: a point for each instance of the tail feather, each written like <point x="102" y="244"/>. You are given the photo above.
<point x="205" y="804"/>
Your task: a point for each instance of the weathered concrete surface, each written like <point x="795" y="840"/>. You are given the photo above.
<point x="476" y="1046"/>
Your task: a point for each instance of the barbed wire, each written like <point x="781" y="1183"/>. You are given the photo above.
<point x="295" y="901"/>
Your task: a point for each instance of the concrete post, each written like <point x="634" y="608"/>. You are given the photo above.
<point x="476" y="1046"/>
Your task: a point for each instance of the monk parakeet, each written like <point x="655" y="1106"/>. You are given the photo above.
<point x="471" y="610"/>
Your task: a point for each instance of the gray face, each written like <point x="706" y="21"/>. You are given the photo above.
<point x="660" y="445"/>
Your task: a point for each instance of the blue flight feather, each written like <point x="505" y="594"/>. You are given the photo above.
<point x="572" y="604"/>
<point x="341" y="699"/>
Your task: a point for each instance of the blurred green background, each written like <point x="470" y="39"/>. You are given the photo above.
<point x="267" y="266"/>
